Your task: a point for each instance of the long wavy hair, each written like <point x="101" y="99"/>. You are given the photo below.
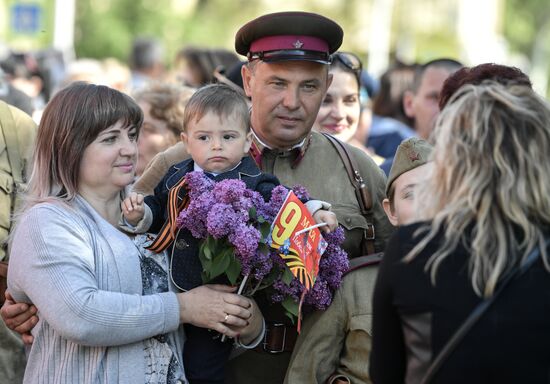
<point x="71" y="121"/>
<point x="490" y="184"/>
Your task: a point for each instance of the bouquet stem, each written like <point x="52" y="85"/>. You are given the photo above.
<point x="239" y="291"/>
<point x="243" y="283"/>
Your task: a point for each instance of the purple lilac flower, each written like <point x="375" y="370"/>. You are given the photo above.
<point x="221" y="219"/>
<point x="334" y="262"/>
<point x="198" y="183"/>
<point x="283" y="290"/>
<point x="194" y="216"/>
<point x="300" y="192"/>
<point x="229" y="191"/>
<point x="275" y="258"/>
<point x="263" y="265"/>
<point x="257" y="201"/>
<point x="278" y="196"/>
<point x="319" y="296"/>
<point x="245" y="239"/>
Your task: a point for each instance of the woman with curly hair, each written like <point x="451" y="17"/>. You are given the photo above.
<point x="486" y="212"/>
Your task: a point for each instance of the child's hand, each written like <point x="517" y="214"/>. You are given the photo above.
<point x="132" y="208"/>
<point x="323" y="216"/>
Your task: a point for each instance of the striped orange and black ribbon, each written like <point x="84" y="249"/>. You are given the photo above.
<point x="174" y="207"/>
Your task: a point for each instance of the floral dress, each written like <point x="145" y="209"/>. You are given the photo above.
<point x="161" y="357"/>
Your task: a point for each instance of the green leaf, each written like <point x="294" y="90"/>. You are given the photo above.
<point x="287" y="276"/>
<point x="265" y="228"/>
<point x="220" y="264"/>
<point x="291" y="308"/>
<point x="233" y="270"/>
<point x="252" y="213"/>
<point x="291" y="317"/>
<point x="212" y="244"/>
<point x="206" y="251"/>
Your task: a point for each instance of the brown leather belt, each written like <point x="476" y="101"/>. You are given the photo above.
<point x="278" y="338"/>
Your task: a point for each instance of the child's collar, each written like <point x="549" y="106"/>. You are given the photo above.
<point x="196" y="167"/>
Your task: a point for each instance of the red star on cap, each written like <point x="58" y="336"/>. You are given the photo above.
<point x="414" y="156"/>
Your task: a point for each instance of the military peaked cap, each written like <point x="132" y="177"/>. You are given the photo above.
<point x="286" y="36"/>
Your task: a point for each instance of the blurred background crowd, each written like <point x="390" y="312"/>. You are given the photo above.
<point x="130" y="45"/>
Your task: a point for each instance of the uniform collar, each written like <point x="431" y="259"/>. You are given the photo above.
<point x="259" y="148"/>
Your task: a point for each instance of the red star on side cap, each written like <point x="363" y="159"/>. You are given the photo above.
<point x="414" y="156"/>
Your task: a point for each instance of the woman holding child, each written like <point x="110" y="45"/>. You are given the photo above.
<point x="69" y="258"/>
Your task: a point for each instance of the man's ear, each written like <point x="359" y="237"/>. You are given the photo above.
<point x="248" y="142"/>
<point x="408" y="101"/>
<point x="247" y="75"/>
<point x="389" y="212"/>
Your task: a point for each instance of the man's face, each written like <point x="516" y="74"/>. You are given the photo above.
<point x="423" y="106"/>
<point x="286" y="97"/>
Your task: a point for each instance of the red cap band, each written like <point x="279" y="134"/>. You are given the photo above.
<point x="276" y="43"/>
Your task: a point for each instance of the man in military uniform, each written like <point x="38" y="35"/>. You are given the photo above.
<point x="286" y="78"/>
<point x="340" y="337"/>
<point x="17" y="132"/>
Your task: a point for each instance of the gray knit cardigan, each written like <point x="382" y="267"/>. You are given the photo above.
<point x="84" y="277"/>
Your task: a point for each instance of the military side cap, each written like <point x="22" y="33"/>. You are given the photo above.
<point x="410" y="154"/>
<point x="286" y="36"/>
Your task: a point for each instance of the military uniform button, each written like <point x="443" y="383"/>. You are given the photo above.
<point x="181" y="244"/>
<point x="348" y="220"/>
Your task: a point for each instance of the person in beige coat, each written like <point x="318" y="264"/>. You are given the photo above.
<point x="17" y="133"/>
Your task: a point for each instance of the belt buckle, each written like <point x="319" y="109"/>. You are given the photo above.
<point x="267" y="331"/>
<point x="369" y="230"/>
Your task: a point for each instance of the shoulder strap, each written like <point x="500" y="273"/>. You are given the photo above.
<point x="364" y="261"/>
<point x="12" y="143"/>
<point x="361" y="190"/>
<point x="476" y="314"/>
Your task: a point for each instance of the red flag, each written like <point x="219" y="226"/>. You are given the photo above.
<point x="299" y="241"/>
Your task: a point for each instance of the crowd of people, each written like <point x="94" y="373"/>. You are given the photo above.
<point x="437" y="177"/>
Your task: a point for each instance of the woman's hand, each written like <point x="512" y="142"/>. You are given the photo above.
<point x="19" y="317"/>
<point x="216" y="307"/>
<point x="250" y="332"/>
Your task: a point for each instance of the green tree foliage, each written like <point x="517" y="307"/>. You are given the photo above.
<point x="106" y="28"/>
<point x="523" y="21"/>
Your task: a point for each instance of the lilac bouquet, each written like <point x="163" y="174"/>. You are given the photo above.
<point x="234" y="224"/>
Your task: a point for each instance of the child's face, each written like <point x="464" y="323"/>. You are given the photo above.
<point x="405" y="185"/>
<point x="217" y="143"/>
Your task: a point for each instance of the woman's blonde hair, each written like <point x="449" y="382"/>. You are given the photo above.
<point x="490" y="184"/>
